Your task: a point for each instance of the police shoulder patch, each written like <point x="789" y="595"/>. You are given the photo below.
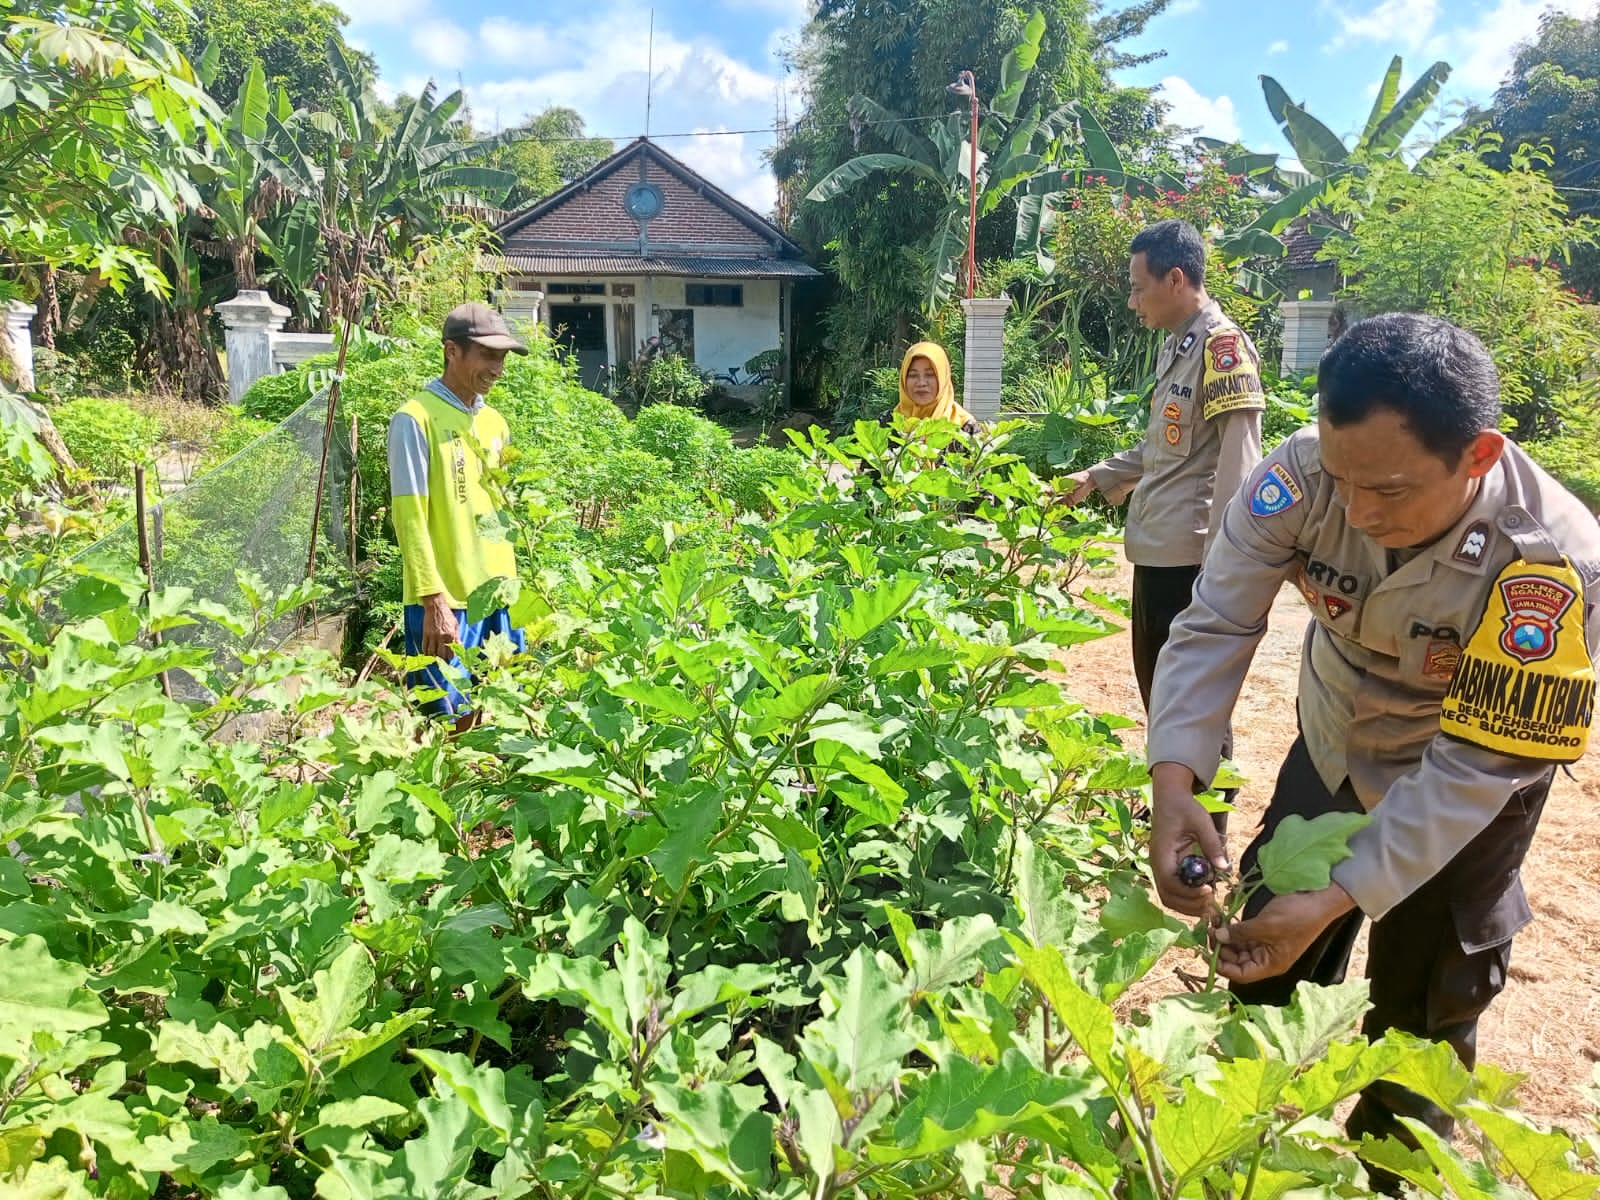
<point x="1231" y="378"/>
<point x="1224" y="349"/>
<point x="1275" y="492"/>
<point x="1525" y="684"/>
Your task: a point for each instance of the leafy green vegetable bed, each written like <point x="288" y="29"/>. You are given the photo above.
<point x="781" y="870"/>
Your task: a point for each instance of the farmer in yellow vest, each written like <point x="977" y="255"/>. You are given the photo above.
<point x="442" y="443"/>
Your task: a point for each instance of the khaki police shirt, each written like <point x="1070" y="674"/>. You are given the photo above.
<point x="1203" y="438"/>
<point x="1378" y="658"/>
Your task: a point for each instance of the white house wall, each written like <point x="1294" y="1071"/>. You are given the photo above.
<point x="723" y="337"/>
<point x="728" y="337"/>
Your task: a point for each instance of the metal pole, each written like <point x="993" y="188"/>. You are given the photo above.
<point x="142" y="518"/>
<point x="972" y="186"/>
<point x="966" y="84"/>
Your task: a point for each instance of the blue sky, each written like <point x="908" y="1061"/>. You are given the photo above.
<point x="718" y="69"/>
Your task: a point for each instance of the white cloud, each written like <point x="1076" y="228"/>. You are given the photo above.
<point x="443" y="44"/>
<point x="383" y="12"/>
<point x="597" y="59"/>
<point x="597" y="62"/>
<point x="791" y="12"/>
<point x="1405" y="23"/>
<point x="530" y="46"/>
<point x="730" y="163"/>
<point x="1278" y="47"/>
<point x="1481" y="53"/>
<point x="1214" y="118"/>
<point x="1178" y="7"/>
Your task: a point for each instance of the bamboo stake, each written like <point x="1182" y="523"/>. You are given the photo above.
<point x="145" y="564"/>
<point x="327" y="425"/>
<point x="355" y="479"/>
<point x="368" y="667"/>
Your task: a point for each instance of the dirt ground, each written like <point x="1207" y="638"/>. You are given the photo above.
<point x="1546" y="1024"/>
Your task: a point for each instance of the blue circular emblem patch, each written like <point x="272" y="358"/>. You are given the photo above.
<point x="1276" y="491"/>
<point x="1528" y="637"/>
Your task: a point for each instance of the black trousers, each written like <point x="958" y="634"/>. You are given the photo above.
<point x="1159" y="595"/>
<point x="1434" y="962"/>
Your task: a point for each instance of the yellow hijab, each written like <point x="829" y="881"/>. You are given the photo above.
<point x="944" y="406"/>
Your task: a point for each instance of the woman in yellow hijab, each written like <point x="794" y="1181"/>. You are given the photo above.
<point x="926" y="391"/>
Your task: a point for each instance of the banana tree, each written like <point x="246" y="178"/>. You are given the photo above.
<point x="1011" y="151"/>
<point x="293" y="238"/>
<point x="1292" y="193"/>
<point x="1102" y="166"/>
<point x="185" y="354"/>
<point x="235" y="194"/>
<point x="1323" y="153"/>
<point x="374" y="190"/>
<point x="240" y="193"/>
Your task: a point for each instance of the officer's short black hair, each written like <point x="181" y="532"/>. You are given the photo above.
<point x="1168" y="244"/>
<point x="1434" y="374"/>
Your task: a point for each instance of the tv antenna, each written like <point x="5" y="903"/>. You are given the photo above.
<point x="650" y="72"/>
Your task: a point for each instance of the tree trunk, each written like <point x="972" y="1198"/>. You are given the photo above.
<point x="49" y="436"/>
<point x="244" y="264"/>
<point x="50" y="308"/>
<point x="902" y="331"/>
<point x="189" y="363"/>
<point x="50" y="439"/>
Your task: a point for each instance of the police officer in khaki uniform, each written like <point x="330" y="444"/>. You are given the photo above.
<point x="1203" y="439"/>
<point x="1446" y="672"/>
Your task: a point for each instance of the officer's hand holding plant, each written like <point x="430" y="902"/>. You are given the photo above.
<point x="1190" y="864"/>
<point x="1181" y="828"/>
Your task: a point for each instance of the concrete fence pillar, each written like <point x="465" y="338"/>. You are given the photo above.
<point x="1305" y="334"/>
<point x="249" y="319"/>
<point x="986" y="327"/>
<point x="19" y="336"/>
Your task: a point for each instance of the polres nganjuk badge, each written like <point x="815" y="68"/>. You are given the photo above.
<point x="1534" y="608"/>
<point x="1525" y="685"/>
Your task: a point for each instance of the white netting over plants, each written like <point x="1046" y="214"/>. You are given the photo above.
<point x="242" y="531"/>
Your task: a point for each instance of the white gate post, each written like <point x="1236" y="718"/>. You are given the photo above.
<point x="250" y="319"/>
<point x="1305" y="334"/>
<point x="19" y="333"/>
<point x="986" y="328"/>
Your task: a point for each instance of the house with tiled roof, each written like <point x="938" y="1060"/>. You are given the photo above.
<point x="643" y="252"/>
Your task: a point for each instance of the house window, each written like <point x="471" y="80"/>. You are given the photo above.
<point x="622" y="289"/>
<point x="526" y="285"/>
<point x="714" y="295"/>
<point x="577" y="289"/>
